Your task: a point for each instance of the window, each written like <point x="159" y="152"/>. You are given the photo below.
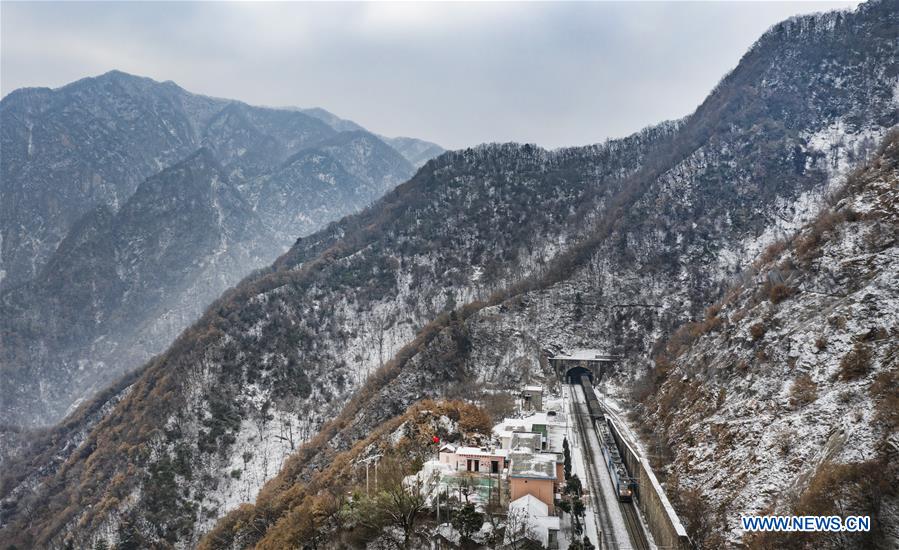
<point x="553" y="541"/>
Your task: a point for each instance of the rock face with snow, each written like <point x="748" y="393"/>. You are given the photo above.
<point x="102" y="267"/>
<point x="458" y="280"/>
<point x="121" y="282"/>
<point x="784" y="399"/>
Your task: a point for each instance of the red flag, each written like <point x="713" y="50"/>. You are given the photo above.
<point x="436" y="439"/>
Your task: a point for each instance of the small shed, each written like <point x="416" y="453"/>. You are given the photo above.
<point x="532" y="398"/>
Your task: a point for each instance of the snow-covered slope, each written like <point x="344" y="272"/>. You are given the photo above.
<point x="788" y="389"/>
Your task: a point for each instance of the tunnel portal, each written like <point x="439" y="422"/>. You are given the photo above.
<point x="574" y="374"/>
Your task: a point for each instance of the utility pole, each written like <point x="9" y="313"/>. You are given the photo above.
<point x="368" y="460"/>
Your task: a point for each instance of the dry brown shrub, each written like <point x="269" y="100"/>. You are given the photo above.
<point x="886" y="399"/>
<point x="757" y="331"/>
<point x="711" y="324"/>
<point x="779" y="292"/>
<point x="474" y="419"/>
<point x="773" y="251"/>
<point x="803" y="391"/>
<point x="808" y="245"/>
<point x="856" y="363"/>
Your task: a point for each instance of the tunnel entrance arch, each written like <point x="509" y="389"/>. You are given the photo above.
<point x="570" y="366"/>
<point x="573" y="375"/>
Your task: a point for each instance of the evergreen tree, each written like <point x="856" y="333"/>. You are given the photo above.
<point x="129" y="538"/>
<point x="574" y="485"/>
<point x="577" y="506"/>
<point x="468" y="520"/>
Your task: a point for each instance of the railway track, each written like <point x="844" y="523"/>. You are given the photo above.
<point x="635" y="533"/>
<point x="601" y="514"/>
<point x="634" y="526"/>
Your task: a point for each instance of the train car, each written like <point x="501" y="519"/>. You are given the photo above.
<point x="593" y="406"/>
<point x="621" y="479"/>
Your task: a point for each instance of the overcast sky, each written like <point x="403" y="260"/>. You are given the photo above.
<point x="458" y="74"/>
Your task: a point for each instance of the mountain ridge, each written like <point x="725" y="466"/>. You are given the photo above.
<point x="118" y="131"/>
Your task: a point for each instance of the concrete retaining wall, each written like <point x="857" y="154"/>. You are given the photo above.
<point x="665" y="526"/>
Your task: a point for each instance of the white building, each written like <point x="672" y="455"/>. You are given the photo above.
<point x="529" y="519"/>
<point x="482" y="460"/>
<point x="549" y="424"/>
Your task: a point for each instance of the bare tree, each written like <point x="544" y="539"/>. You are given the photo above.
<point x="398" y="502"/>
<point x="519" y="528"/>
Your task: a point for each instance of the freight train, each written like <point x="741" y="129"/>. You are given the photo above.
<point x="624" y="484"/>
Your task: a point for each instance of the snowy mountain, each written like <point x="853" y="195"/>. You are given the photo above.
<point x="416" y="151"/>
<point x="122" y="283"/>
<point x="84" y="231"/>
<point x="455" y="283"/>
